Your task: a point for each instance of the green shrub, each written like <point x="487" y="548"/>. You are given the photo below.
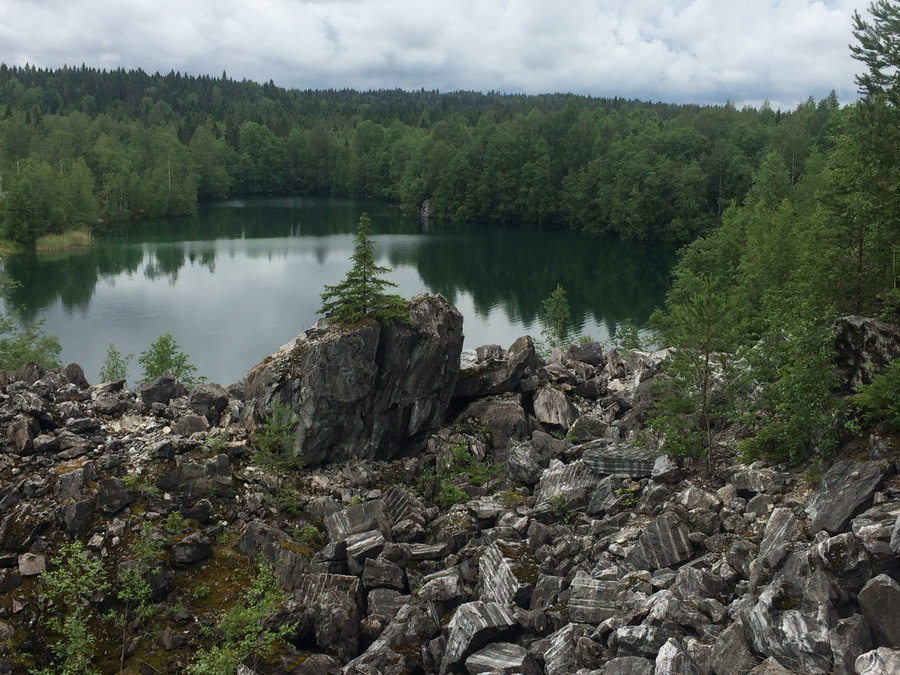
<point x="19" y="345"/>
<point x="879" y="401"/>
<point x="165" y="355"/>
<point x="274" y="441"/>
<point x="241" y="632"/>
<point x="65" y="610"/>
<point x="115" y="366"/>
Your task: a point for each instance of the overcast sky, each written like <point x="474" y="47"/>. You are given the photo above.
<point x="695" y="51"/>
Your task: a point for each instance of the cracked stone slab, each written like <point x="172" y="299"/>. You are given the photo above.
<point x="620" y="460"/>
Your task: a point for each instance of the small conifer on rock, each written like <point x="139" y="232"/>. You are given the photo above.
<point x="361" y="295"/>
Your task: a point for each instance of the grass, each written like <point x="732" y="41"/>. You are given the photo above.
<point x="80" y="238"/>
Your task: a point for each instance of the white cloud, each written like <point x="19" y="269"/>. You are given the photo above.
<point x="704" y="51"/>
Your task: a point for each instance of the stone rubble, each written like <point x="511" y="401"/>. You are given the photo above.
<point x="591" y="556"/>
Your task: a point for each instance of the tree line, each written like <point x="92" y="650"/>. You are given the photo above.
<point x="753" y="302"/>
<point x="81" y="145"/>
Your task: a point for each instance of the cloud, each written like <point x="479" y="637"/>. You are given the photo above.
<point x="703" y="51"/>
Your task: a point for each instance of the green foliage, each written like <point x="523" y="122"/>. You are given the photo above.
<point x="241" y="632"/>
<point x="142" y="485"/>
<point x="19" y="345"/>
<point x="556" y="317"/>
<point x="274" y="441"/>
<point x="163" y="356"/>
<point x="879" y="400"/>
<point x="627" y="496"/>
<point x="560" y="508"/>
<point x="134" y="593"/>
<point x="175" y="523"/>
<point x="149" y="544"/>
<point x="361" y="294"/>
<point x="699" y="374"/>
<point x="795" y="415"/>
<point x="627" y="336"/>
<point x="115" y="366"/>
<point x="65" y="610"/>
<point x="442" y="484"/>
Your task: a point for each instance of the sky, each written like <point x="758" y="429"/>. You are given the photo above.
<point x="678" y="51"/>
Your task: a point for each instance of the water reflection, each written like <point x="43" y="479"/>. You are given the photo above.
<point x="243" y="277"/>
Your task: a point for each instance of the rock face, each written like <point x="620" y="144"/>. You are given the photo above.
<point x="864" y="347"/>
<point x="373" y="391"/>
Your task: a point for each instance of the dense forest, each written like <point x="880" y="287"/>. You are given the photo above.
<point x="80" y="144"/>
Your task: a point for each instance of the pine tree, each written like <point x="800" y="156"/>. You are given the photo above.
<point x="361" y="294"/>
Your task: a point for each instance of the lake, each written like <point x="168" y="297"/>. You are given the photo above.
<point x="243" y="277"/>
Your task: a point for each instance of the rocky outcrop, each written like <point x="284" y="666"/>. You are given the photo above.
<point x="372" y="391"/>
<point x="864" y="347"/>
<point x="586" y="552"/>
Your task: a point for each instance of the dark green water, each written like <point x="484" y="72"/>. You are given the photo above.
<point x="241" y="278"/>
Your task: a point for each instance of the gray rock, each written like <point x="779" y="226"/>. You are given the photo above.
<point x="673" y="660"/>
<point x="596" y="600"/>
<point x="553" y="407"/>
<point x="666" y="470"/>
<point x="780" y="624"/>
<point x="504" y="416"/>
<point x="664" y="543"/>
<point x="71" y="484"/>
<point x="193" y="548"/>
<point x="525" y="464"/>
<point x="621" y="460"/>
<point x="361" y="547"/>
<point x="385" y="602"/>
<point x="849" y="639"/>
<point x="561" y="656"/>
<point x="209" y="400"/>
<point x="398" y="649"/>
<point x="864" y="347"/>
<point x="77" y="514"/>
<point x="880" y="604"/>
<point x="569" y="483"/>
<point x="161" y="390"/>
<point x="643" y="640"/>
<point x="472" y="626"/>
<point x="355" y="519"/>
<point x="749" y="482"/>
<point x="442" y="586"/>
<point x="628" y="665"/>
<point x="112" y="496"/>
<point x="190" y="424"/>
<point x="108" y="403"/>
<point x="502" y="658"/>
<point x="383" y="574"/>
<point x="874" y="529"/>
<point x="282" y="553"/>
<point x="493" y="371"/>
<point x="508" y="572"/>
<point x="21" y="434"/>
<point x="781" y="531"/>
<point x="881" y="661"/>
<point x="731" y="653"/>
<point x="373" y="392"/>
<point x="32" y="564"/>
<point x="771" y="666"/>
<point x="844" y="488"/>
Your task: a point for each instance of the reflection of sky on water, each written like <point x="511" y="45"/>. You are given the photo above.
<point x="230" y="301"/>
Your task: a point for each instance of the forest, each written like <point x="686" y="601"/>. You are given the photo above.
<point x="80" y="145"/>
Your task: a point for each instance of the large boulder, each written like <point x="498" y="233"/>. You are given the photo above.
<point x="371" y="391"/>
<point x="864" y="347"/>
<point x="490" y="371"/>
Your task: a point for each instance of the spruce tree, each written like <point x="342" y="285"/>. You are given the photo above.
<point x="361" y="295"/>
